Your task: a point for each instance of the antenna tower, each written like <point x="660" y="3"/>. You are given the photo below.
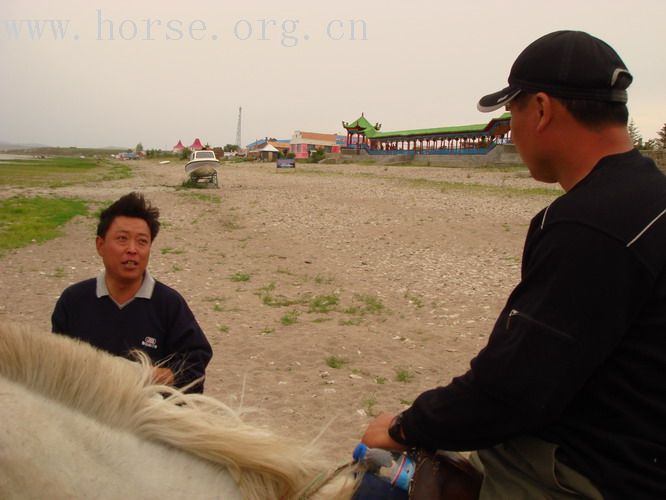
<point x="238" y="128"/>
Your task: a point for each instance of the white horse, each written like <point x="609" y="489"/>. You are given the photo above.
<point x="79" y="423"/>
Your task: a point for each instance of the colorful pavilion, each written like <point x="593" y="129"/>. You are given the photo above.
<point x="196" y="145"/>
<point x="465" y="139"/>
<point x="178" y="148"/>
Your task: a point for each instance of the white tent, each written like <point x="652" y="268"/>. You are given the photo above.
<point x="270" y="148"/>
<point x="268" y="152"/>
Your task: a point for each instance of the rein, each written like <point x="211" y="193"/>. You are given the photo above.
<point x="321" y="480"/>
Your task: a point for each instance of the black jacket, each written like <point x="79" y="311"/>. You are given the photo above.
<point x="578" y="355"/>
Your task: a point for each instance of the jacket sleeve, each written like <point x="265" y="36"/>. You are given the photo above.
<point x="59" y="317"/>
<point x="190" y="351"/>
<point x="578" y="295"/>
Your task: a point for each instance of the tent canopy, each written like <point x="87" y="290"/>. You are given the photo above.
<point x="269" y="148"/>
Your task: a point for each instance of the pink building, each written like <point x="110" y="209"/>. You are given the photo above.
<point x="303" y="143"/>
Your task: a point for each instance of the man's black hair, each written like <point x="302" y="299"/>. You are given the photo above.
<point x="590" y="113"/>
<point x="130" y="205"/>
<point x="596" y="113"/>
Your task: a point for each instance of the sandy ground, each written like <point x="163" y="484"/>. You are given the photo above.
<point x="419" y="263"/>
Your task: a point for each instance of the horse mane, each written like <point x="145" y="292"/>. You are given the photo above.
<point x="122" y="394"/>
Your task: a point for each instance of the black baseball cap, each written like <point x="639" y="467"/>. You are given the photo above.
<point x="567" y="64"/>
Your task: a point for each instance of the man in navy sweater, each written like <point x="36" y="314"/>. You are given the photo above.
<point x="568" y="398"/>
<point x="125" y="308"/>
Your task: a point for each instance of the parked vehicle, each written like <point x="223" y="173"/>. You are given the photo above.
<point x="202" y="166"/>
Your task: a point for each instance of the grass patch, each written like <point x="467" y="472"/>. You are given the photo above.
<point x="380" y="380"/>
<point x="508" y="168"/>
<point x="351" y="322"/>
<point x="322" y="280"/>
<point x="369" y="304"/>
<point x="369" y="405"/>
<point x="213" y="198"/>
<point x="281" y="270"/>
<point x="215" y="299"/>
<point x="290" y="318"/>
<point x="323" y="303"/>
<point x="272" y="300"/>
<point x="335" y="362"/>
<point x="173" y="251"/>
<point x="116" y="172"/>
<point x="414" y="299"/>
<point x="481" y="189"/>
<point x="443" y="186"/>
<point x="281" y="300"/>
<point x="403" y="375"/>
<point x="240" y="276"/>
<point x="59" y="171"/>
<point x="323" y="173"/>
<point x="191" y="184"/>
<point x="205" y="197"/>
<point x="231" y="225"/>
<point x="268" y="299"/>
<point x="27" y="220"/>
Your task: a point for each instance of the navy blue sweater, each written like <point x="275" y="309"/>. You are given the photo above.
<point x="162" y="326"/>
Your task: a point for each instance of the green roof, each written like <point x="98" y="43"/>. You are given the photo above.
<point x="361" y="123"/>
<point x="373" y="133"/>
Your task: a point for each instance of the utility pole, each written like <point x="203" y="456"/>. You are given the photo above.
<point x="238" y="128"/>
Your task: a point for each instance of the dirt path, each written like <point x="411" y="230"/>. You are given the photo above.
<point x="419" y="265"/>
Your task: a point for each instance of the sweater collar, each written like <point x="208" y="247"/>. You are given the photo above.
<point x="145" y="292"/>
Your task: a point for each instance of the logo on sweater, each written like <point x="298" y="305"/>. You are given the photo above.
<point x="149" y="342"/>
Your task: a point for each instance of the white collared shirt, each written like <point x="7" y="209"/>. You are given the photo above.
<point x="144" y="292"/>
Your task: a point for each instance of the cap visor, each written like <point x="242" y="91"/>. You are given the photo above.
<point x="491" y="102"/>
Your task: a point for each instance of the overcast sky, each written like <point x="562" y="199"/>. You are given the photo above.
<point x="115" y="73"/>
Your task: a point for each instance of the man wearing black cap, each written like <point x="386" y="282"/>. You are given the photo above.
<point x="568" y="398"/>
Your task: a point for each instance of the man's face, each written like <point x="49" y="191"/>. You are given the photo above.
<point x="525" y="116"/>
<point x="125" y="249"/>
<point x="520" y="125"/>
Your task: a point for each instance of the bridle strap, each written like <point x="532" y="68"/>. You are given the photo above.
<point x="321" y="480"/>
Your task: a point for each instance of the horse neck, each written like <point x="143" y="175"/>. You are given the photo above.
<point x="69" y="455"/>
<point x="118" y="394"/>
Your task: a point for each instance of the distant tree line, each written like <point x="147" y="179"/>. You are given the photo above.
<point x="657" y="143"/>
<point x="158" y="153"/>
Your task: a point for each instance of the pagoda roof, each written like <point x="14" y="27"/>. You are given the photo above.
<point x="373" y="133"/>
<point x="361" y="123"/>
<point x="179" y="145"/>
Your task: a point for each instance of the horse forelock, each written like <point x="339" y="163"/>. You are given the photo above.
<point x="121" y="394"/>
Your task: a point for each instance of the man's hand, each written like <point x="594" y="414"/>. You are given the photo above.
<point x="163" y="375"/>
<point x="377" y="436"/>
